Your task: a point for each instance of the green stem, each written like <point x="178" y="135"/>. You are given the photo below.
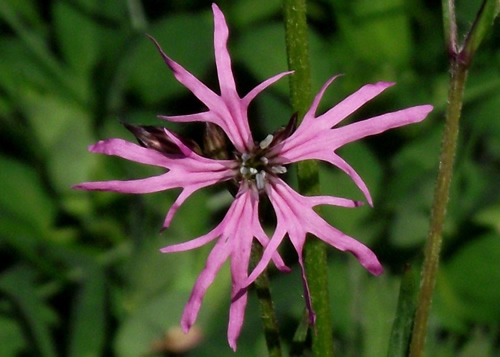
<point x="460" y="60"/>
<point x="307" y="172"/>
<point x="405" y="313"/>
<point x="266" y="306"/>
<point x="440" y="201"/>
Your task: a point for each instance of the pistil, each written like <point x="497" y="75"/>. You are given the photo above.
<point x="255" y="168"/>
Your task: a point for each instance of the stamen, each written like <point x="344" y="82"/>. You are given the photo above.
<point x="260" y="180"/>
<point x="278" y="169"/>
<point x="252" y="170"/>
<point x="245" y="157"/>
<point x="264" y="144"/>
<point x="264" y="160"/>
<point x="244" y="170"/>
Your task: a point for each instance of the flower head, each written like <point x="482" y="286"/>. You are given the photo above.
<point x="256" y="168"/>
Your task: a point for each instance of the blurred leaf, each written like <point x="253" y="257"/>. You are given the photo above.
<point x="403" y="322"/>
<point x="88" y="330"/>
<point x="410" y="224"/>
<point x="161" y="313"/>
<point x="11" y="335"/>
<point x="376" y="29"/>
<point x="418" y="154"/>
<point x="36" y="44"/>
<point x="489" y="216"/>
<point x="342" y="296"/>
<point x="446" y="303"/>
<point x="335" y="182"/>
<point x="470" y="188"/>
<point x="481" y="26"/>
<point x="481" y="117"/>
<point x="411" y="188"/>
<point x="187" y="39"/>
<point x="272" y="113"/>
<point x="137" y="334"/>
<point x="27" y="9"/>
<point x="195" y="211"/>
<point x="17" y="283"/>
<point x="141" y="273"/>
<point x="247" y="12"/>
<point x="24" y="201"/>
<point x="63" y="130"/>
<point x="378" y="301"/>
<point x="472" y="274"/>
<point x="480" y="344"/>
<point x="79" y="48"/>
<point x="263" y="51"/>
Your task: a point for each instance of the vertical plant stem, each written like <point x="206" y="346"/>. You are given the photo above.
<point x="440" y="201"/>
<point x="405" y="313"/>
<point x="266" y="306"/>
<point x="460" y="60"/>
<point x="315" y="251"/>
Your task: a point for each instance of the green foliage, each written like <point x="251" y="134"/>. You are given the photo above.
<point x="81" y="272"/>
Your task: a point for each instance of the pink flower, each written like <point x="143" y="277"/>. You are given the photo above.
<point x="256" y="168"/>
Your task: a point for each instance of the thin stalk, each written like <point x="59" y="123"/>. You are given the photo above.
<point x="294" y="12"/>
<point x="266" y="306"/>
<point x="460" y="60"/>
<point x="440" y="201"/>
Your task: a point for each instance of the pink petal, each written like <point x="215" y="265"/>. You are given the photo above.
<point x="225" y="246"/>
<point x="296" y="217"/>
<point x="184" y="195"/>
<point x="311" y="113"/>
<point x="236" y="318"/>
<point x="324" y="153"/>
<point x="215" y="260"/>
<point x="234" y="239"/>
<point x="198" y="88"/>
<point x="220" y="113"/>
<point x="268" y="254"/>
<point x="194" y="243"/>
<point x="297" y="234"/>
<point x="334" y="201"/>
<point x="336" y="160"/>
<point x="130" y="151"/>
<point x="313" y="127"/>
<point x="352" y="103"/>
<point x="378" y="124"/>
<point x="240" y="258"/>
<point x="222" y="58"/>
<point x="343" y="242"/>
<point x="261" y="87"/>
<point x="146" y="185"/>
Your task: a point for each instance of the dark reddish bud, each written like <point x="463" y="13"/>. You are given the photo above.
<point x="215" y="142"/>
<point x="154" y="137"/>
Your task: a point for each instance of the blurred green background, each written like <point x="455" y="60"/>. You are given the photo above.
<point x="81" y="274"/>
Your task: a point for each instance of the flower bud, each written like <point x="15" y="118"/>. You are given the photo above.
<point x="154" y="137"/>
<point x="215" y="142"/>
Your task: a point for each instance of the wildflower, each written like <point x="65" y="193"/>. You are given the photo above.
<point x="256" y="168"/>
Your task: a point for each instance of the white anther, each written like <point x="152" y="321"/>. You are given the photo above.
<point x="244" y="170"/>
<point x="278" y="169"/>
<point x="252" y="171"/>
<point x="264" y="160"/>
<point x="245" y="157"/>
<point x="260" y="180"/>
<point x="264" y="144"/>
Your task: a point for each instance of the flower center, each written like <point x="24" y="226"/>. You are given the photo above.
<point x="255" y="168"/>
